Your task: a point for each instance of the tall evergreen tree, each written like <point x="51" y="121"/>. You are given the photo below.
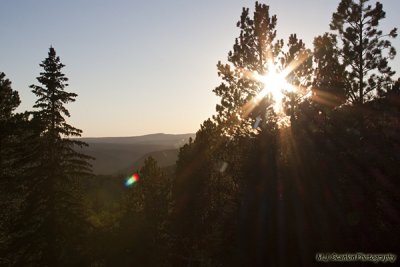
<point x="155" y="193"/>
<point x="329" y="74"/>
<point x="51" y="116"/>
<point x="9" y="202"/>
<point x="52" y="221"/>
<point x="9" y="98"/>
<point x="365" y="49"/>
<point x="267" y="163"/>
<point x="297" y="61"/>
<point x="253" y="49"/>
<point x="144" y="221"/>
<point x="9" y="101"/>
<point x="205" y="202"/>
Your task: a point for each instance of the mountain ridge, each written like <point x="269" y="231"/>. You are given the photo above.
<point x="152" y="138"/>
<point x="114" y="154"/>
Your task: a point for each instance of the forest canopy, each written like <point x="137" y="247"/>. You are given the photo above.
<point x="301" y="157"/>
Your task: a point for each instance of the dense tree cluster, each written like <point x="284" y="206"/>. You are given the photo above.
<point x="255" y="187"/>
<point x="41" y="174"/>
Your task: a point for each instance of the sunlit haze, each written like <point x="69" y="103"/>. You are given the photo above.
<point x="143" y="67"/>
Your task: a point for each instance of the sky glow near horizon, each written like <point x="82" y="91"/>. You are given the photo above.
<point x="143" y="67"/>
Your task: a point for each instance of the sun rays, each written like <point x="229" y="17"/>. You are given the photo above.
<point x="277" y="88"/>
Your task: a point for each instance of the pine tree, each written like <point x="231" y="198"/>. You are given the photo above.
<point x="144" y="222"/>
<point x="365" y="52"/>
<point x="51" y="111"/>
<point x="156" y="192"/>
<point x="330" y="78"/>
<point x="297" y="60"/>
<point x="203" y="226"/>
<point x="365" y="49"/>
<point x="9" y="133"/>
<point x="258" y="159"/>
<point x="9" y="101"/>
<point x="52" y="221"/>
<point x="253" y="49"/>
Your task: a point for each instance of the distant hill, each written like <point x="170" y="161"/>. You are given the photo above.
<point x="164" y="158"/>
<point x="158" y="138"/>
<point x="122" y="154"/>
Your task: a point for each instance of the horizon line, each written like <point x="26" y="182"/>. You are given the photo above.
<point x="126" y="136"/>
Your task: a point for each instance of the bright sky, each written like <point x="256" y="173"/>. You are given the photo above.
<point x="142" y="67"/>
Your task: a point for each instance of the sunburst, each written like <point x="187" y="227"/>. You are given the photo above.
<point x="275" y="85"/>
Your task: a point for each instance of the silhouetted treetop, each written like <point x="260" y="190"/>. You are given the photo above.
<point x="365" y="49"/>
<point x="9" y="99"/>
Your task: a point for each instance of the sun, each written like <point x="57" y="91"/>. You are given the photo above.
<point x="275" y="86"/>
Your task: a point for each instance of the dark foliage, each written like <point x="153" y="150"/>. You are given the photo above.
<point x="363" y="48"/>
<point x="51" y="219"/>
<point x="248" y="190"/>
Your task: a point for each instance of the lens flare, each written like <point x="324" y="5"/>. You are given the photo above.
<point x="131" y="180"/>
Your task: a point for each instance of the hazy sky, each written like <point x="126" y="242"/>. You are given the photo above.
<point x="142" y="67"/>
